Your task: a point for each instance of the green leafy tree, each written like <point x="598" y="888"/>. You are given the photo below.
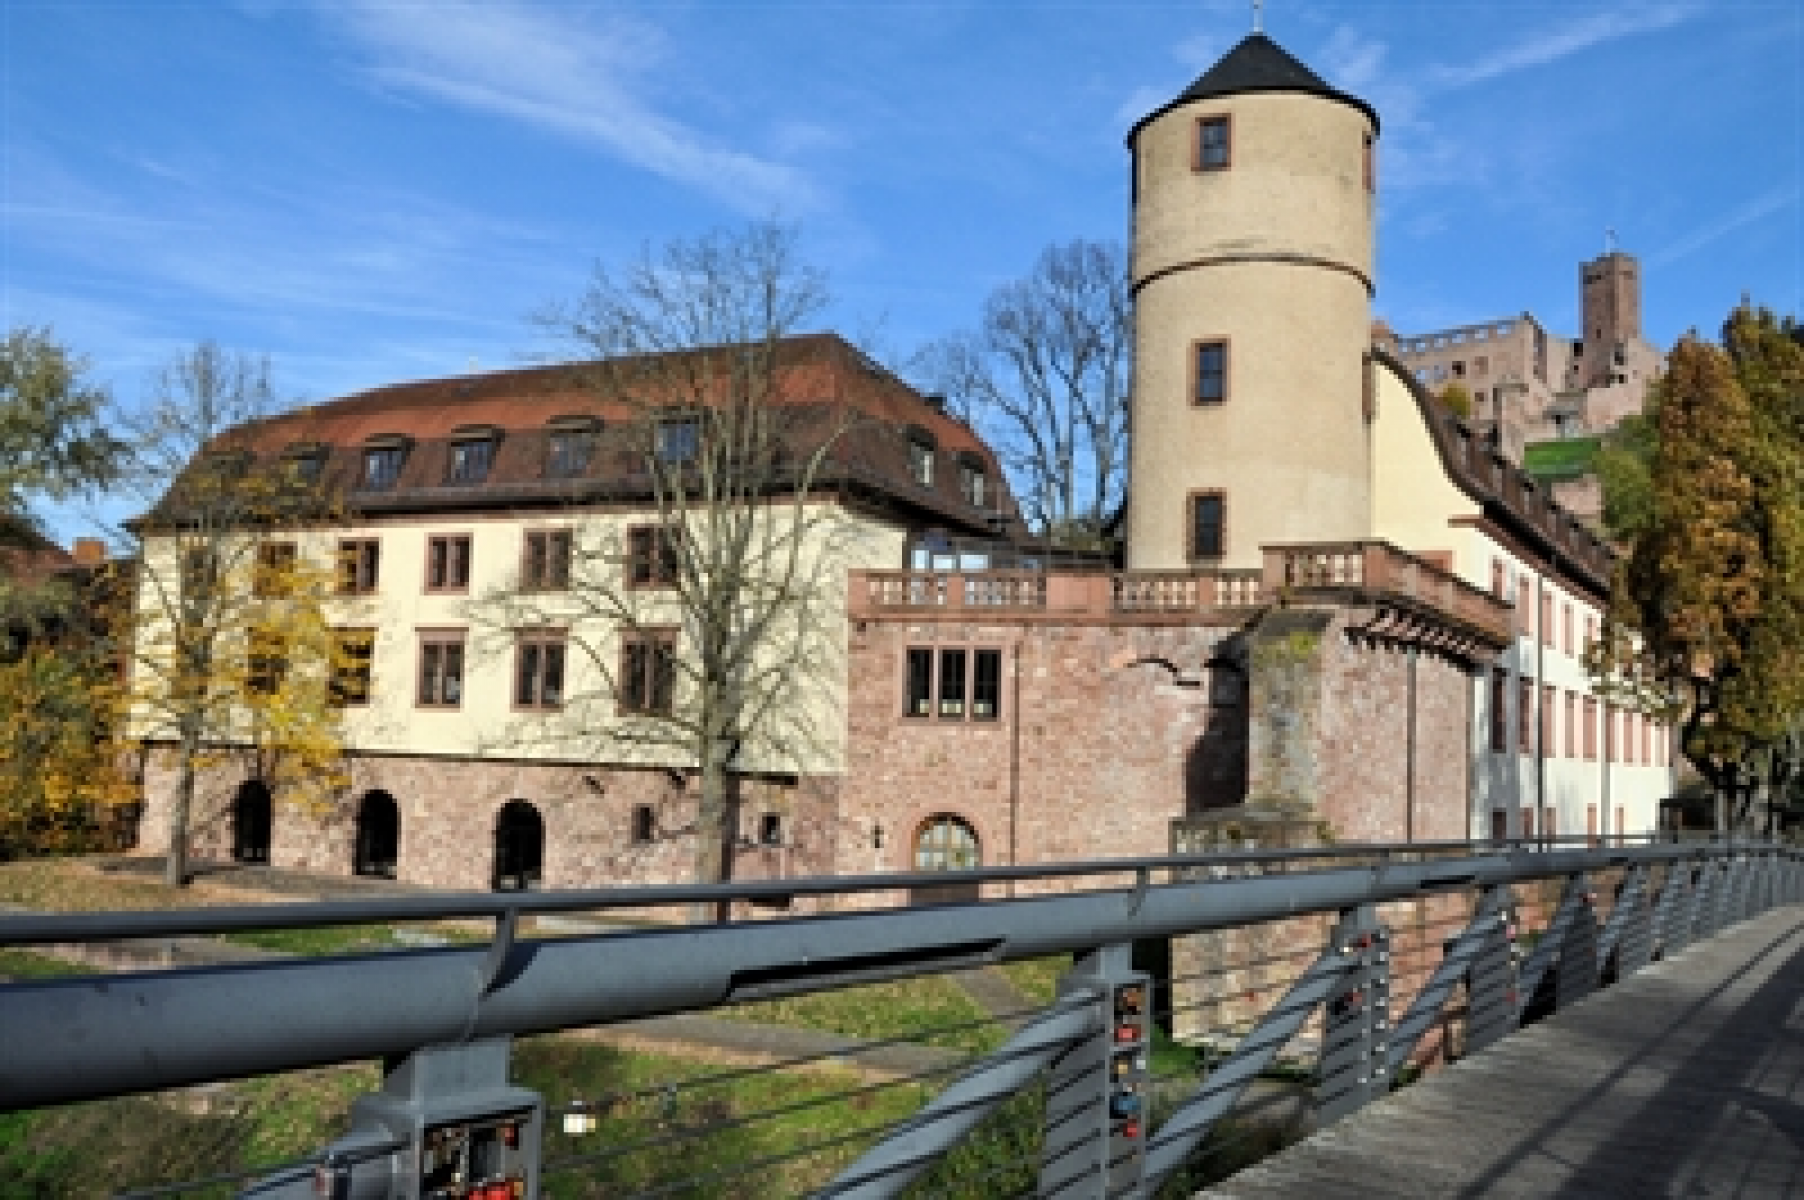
<point x="232" y="652"/>
<point x="53" y="437"/>
<point x="1706" y="625"/>
<point x="1456" y="399"/>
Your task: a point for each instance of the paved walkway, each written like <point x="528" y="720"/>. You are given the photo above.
<point x="1685" y="1080"/>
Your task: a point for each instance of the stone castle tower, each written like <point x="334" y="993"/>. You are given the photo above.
<point x="1253" y="211"/>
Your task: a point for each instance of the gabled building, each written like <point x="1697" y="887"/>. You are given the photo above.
<point x="1342" y="612"/>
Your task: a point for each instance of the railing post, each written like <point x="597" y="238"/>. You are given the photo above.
<point x="1481" y="956"/>
<point x="1698" y="911"/>
<point x="444" y="1113"/>
<point x="1097" y="1093"/>
<point x="1568" y="948"/>
<point x="1355" y="1058"/>
<point x="1710" y="898"/>
<point x="1671" y="918"/>
<point x="1628" y="934"/>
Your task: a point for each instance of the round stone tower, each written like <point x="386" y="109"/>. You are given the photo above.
<point x="1254" y="204"/>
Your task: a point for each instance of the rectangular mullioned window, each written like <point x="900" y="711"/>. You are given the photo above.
<point x="1214" y="144"/>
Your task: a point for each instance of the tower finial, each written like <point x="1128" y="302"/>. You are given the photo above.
<point x="1258" y="16"/>
<point x="1609" y="239"/>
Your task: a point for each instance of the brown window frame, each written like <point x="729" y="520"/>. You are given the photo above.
<point x="637" y="690"/>
<point x="359" y="566"/>
<point x="1550" y="720"/>
<point x="1525" y="596"/>
<point x="1525" y="715"/>
<point x="381" y="467"/>
<point x="923" y="455"/>
<point x="539" y="644"/>
<point x="545" y="557"/>
<point x="349" y="687"/>
<point x="1572" y="725"/>
<point x="568" y="453"/>
<point x="973" y="482"/>
<point x="464" y="467"/>
<point x="1547" y="630"/>
<point x="652" y="556"/>
<point x="1591" y="728"/>
<point x="447" y="584"/>
<point x="1500" y="711"/>
<point x="1199" y="143"/>
<point x="273" y="558"/>
<point x="924" y="697"/>
<point x="265" y="661"/>
<point x="1190" y="525"/>
<point x="1197" y="347"/>
<point x="440" y="641"/>
<point x="1566" y="627"/>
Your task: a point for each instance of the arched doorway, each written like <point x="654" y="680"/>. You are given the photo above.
<point x="519" y="847"/>
<point x="250" y="822"/>
<point x="378" y="845"/>
<point x="946" y="843"/>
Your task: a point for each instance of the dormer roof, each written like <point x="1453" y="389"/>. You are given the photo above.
<point x="1257" y="64"/>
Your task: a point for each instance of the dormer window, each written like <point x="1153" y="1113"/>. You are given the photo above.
<point x="679" y="439"/>
<point x="472" y="454"/>
<point x="307" y="461"/>
<point x="921" y="453"/>
<point x="382" y="460"/>
<point x="973" y="482"/>
<point x="1212" y="144"/>
<point x="569" y="445"/>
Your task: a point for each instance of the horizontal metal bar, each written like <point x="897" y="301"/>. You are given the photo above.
<point x="48" y="928"/>
<point x="91" y="1036"/>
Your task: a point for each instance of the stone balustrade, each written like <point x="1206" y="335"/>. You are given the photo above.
<point x="1369" y="570"/>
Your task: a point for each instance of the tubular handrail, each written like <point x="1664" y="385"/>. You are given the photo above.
<point x="81" y="1038"/>
<point x="44" y="928"/>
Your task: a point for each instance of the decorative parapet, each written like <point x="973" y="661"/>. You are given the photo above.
<point x="1382" y="573"/>
<point x="1371" y="572"/>
<point x="1055" y="595"/>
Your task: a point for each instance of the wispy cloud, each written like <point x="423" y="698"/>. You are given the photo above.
<point x="1764" y="205"/>
<point x="1552" y="44"/>
<point x="584" y="77"/>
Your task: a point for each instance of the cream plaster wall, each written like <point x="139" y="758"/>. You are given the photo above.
<point x="1274" y="255"/>
<point x="588" y="729"/>
<point x="1414" y="503"/>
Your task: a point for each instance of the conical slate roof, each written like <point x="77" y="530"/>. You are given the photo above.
<point x="1258" y="64"/>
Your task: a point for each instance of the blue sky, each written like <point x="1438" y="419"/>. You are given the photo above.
<point x="376" y="191"/>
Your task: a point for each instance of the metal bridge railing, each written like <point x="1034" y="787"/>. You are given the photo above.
<point x="1305" y="982"/>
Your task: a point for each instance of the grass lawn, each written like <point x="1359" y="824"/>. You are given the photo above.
<point x="931" y="1010"/>
<point x="24" y="964"/>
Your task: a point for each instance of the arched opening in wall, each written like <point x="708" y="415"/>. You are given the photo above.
<point x="946" y="842"/>
<point x="251" y="822"/>
<point x="378" y="843"/>
<point x="770" y="829"/>
<point x="1215" y="768"/>
<point x="519" y="847"/>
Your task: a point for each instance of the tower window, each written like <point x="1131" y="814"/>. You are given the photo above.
<point x="1208" y="524"/>
<point x="1212" y="144"/>
<point x="1209" y="363"/>
<point x="1369" y="164"/>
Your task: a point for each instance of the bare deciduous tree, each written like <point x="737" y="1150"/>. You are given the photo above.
<point x="1046" y="378"/>
<point x="231" y="650"/>
<point x="696" y="627"/>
